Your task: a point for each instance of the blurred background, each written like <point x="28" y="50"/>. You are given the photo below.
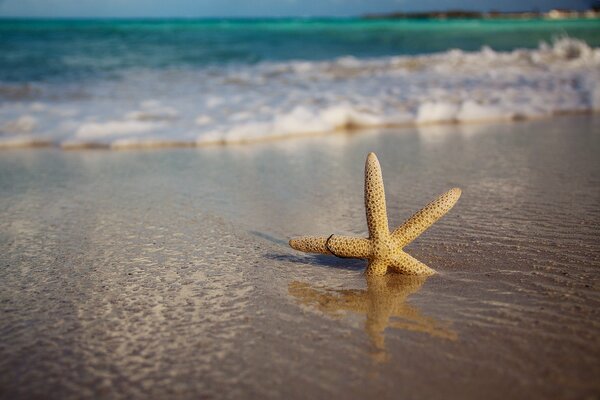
<point x="144" y="72"/>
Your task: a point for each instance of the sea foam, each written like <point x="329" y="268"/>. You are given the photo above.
<point x="245" y="103"/>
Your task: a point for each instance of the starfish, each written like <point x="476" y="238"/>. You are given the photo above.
<point x="383" y="249"/>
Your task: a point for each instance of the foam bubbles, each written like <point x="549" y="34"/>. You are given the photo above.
<point x="22" y="124"/>
<point x="431" y="111"/>
<point x="245" y="103"/>
<point x="474" y="111"/>
<point x="97" y="130"/>
<point x="153" y="110"/>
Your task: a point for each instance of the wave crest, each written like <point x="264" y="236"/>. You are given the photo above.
<point x="256" y="102"/>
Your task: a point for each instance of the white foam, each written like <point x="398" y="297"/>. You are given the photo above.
<point x="473" y="111"/>
<point x="203" y="120"/>
<point x="274" y="99"/>
<point x="153" y="110"/>
<point x="95" y="130"/>
<point x="438" y="111"/>
<point x="37" y="106"/>
<point x="22" y="124"/>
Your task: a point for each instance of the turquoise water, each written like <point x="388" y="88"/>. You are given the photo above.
<point x="50" y="50"/>
<point x="123" y="83"/>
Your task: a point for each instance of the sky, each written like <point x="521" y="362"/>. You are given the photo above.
<point x="256" y="8"/>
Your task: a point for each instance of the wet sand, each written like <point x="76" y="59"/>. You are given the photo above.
<point x="166" y="273"/>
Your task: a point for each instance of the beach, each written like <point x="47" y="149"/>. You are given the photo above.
<point x="167" y="274"/>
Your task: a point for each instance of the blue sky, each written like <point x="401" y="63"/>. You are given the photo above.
<point x="248" y="8"/>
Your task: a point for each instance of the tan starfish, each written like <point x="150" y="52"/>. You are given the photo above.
<point x="382" y="248"/>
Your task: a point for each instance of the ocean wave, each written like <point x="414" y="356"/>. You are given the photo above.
<point x="233" y="104"/>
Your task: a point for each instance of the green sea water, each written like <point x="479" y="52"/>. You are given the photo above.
<point x="64" y="50"/>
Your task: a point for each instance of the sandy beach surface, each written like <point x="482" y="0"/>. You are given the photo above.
<point x="166" y="273"/>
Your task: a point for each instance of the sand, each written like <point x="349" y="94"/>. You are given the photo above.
<point x="166" y="273"/>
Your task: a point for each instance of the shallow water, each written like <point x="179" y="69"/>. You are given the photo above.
<point x="153" y="274"/>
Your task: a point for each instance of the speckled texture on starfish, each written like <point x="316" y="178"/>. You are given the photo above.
<point x="382" y="249"/>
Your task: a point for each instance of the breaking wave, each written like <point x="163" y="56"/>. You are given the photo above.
<point x="245" y="103"/>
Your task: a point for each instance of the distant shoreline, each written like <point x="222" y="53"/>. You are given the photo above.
<point x="556" y="14"/>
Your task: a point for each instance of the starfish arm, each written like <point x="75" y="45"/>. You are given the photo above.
<point x="375" y="199"/>
<point x="406" y="264"/>
<point x="310" y="244"/>
<point x="423" y="219"/>
<point x="376" y="267"/>
<point x="341" y="246"/>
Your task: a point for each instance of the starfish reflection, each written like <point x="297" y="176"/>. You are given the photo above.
<point x="383" y="303"/>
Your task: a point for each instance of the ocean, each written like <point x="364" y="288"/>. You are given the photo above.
<point x="123" y="83"/>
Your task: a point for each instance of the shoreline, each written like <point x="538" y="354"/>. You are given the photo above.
<point x="459" y="15"/>
<point x="150" y="144"/>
